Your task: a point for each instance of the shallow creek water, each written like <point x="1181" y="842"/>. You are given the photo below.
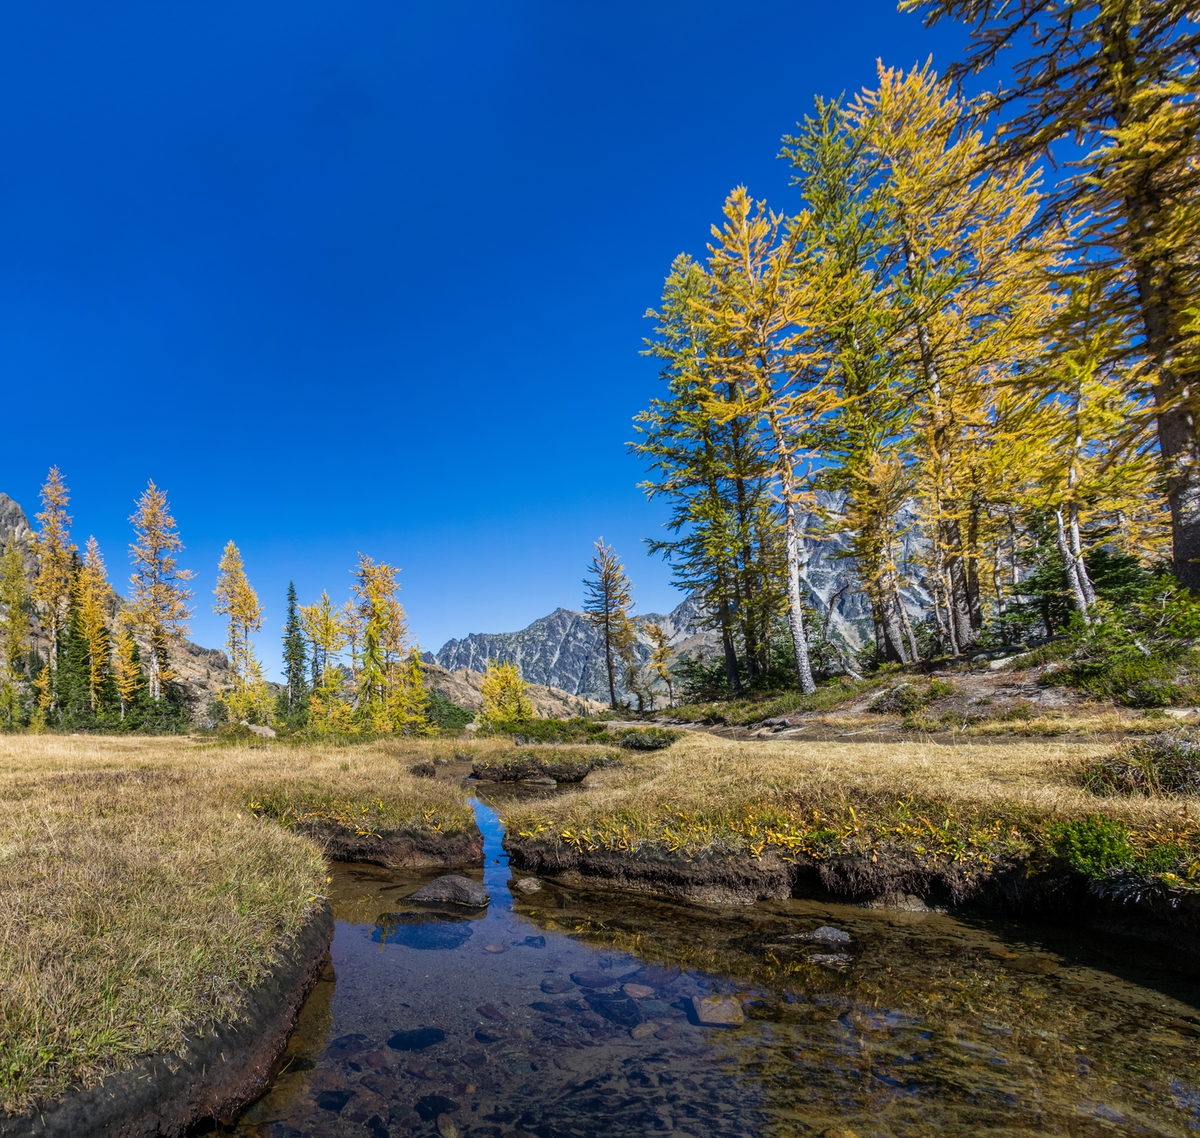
<point x="469" y="1024"/>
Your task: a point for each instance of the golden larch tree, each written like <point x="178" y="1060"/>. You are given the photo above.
<point x="609" y="599"/>
<point x="54" y="550"/>
<point x="158" y="609"/>
<point x="505" y="695"/>
<point x="247" y="698"/>
<point x="92" y="597"/>
<point x="14" y="632"/>
<point x="329" y="713"/>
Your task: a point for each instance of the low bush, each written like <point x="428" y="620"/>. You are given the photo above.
<point x="1141" y="654"/>
<point x="563" y="764"/>
<point x="647" y="739"/>
<point x="906" y="698"/>
<point x="1160" y="764"/>
<point x="1093" y="846"/>
<point x="447" y="715"/>
<point x="525" y="732"/>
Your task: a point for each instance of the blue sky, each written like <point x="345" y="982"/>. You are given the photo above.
<point x="371" y="276"/>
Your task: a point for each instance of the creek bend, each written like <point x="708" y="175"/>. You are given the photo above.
<point x="469" y="1024"/>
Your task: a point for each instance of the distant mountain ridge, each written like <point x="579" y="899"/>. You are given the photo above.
<point x="563" y="650"/>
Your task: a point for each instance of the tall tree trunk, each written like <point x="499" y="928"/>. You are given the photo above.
<point x="1085" y="582"/>
<point x="729" y="648"/>
<point x="908" y="629"/>
<point x="1161" y="300"/>
<point x="1071" y="568"/>
<point x="610" y="665"/>
<point x="795" y="605"/>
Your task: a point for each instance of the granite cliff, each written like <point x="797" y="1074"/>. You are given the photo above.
<point x="564" y="651"/>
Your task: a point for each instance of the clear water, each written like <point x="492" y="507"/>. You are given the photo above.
<point x="933" y="1025"/>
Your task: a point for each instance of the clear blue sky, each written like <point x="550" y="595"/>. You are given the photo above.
<point x="370" y="276"/>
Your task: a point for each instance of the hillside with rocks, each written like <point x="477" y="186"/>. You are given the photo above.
<point x="563" y="650"/>
<point x="465" y="688"/>
<point x="201" y="672"/>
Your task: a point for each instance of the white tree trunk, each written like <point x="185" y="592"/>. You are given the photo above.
<point x="795" y="607"/>
<point x="1071" y="566"/>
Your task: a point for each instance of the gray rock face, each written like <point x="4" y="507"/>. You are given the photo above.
<point x="830" y="575"/>
<point x="564" y="651"/>
<point x="453" y="888"/>
<point x="14" y="525"/>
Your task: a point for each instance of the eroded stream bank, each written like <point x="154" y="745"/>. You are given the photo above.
<point x="569" y="1011"/>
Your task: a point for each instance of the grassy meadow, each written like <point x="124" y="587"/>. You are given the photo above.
<point x="968" y="804"/>
<point x="146" y="883"/>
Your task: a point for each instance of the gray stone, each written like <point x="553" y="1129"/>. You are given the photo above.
<point x="452" y="887"/>
<point x="828" y="933"/>
<point x="529" y="885"/>
<point x="838" y="960"/>
<point x="718" y="1011"/>
<point x="261" y="732"/>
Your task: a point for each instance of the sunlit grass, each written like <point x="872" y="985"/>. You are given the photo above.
<point x="966" y="805"/>
<point x="141" y="896"/>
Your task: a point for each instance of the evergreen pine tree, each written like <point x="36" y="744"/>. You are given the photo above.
<point x="294" y="698"/>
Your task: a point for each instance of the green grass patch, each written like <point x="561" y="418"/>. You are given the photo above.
<point x="1160" y="764"/>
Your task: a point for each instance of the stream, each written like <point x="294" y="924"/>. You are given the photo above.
<point x="567" y="1012"/>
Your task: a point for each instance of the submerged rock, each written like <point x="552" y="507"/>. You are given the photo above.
<point x="637" y="991"/>
<point x="838" y="960"/>
<point x="430" y="1106"/>
<point x="529" y="885"/>
<point x="829" y="934"/>
<point x="595" y="979"/>
<point x="453" y="888"/>
<point x="555" y="985"/>
<point x="416" y="1040"/>
<point x="616" y="1009"/>
<point x="718" y="1011"/>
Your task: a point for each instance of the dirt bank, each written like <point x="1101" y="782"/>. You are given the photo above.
<point x="1014" y="887"/>
<point x="400" y="849"/>
<point x="163" y="1095"/>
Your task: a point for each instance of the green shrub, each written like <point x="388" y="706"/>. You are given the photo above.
<point x="941" y="689"/>
<point x="1158" y="764"/>
<point x="448" y="715"/>
<point x="1138" y="655"/>
<point x="588" y="731"/>
<point x="647" y="739"/>
<point x="1093" y="846"/>
<point x="906" y="698"/>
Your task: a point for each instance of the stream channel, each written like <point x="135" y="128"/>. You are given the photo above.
<point x="516" y="1021"/>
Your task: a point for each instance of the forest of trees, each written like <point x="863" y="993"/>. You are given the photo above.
<point x="74" y="655"/>
<point x="944" y="327"/>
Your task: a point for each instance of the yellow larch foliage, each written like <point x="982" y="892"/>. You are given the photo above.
<point x="505" y="695"/>
<point x="247" y="697"/>
<point x="92" y="595"/>
<point x="159" y="610"/>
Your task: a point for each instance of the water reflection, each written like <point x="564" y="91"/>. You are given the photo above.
<point x="576" y="1013"/>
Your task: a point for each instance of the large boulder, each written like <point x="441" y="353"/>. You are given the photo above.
<point x="454" y="889"/>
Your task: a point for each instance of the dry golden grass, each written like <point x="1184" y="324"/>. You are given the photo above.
<point x="140" y="898"/>
<point x="710" y="794"/>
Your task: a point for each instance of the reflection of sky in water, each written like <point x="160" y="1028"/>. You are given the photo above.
<point x="931" y="1029"/>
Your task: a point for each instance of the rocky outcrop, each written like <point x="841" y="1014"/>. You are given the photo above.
<point x="564" y="651"/>
<point x="465" y="688"/>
